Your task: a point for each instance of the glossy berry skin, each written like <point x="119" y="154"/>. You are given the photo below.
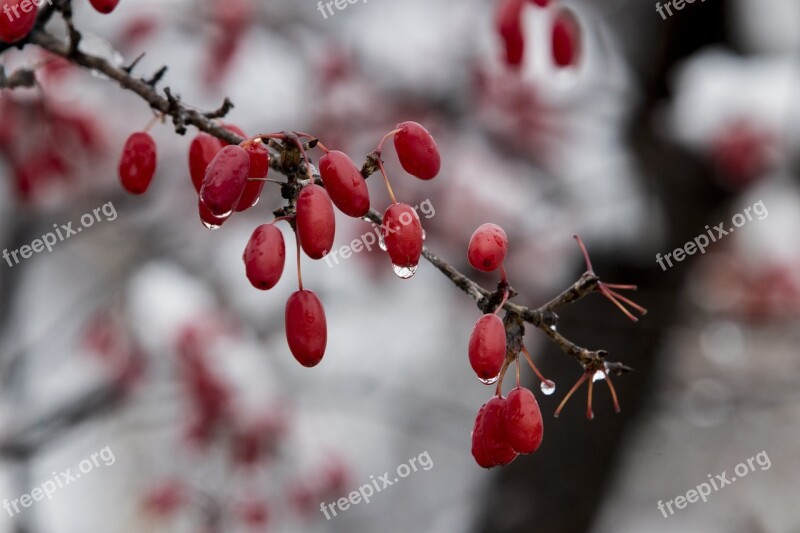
<point x="402" y="234"/>
<point x="138" y="163"/>
<point x="565" y="39"/>
<point x="478" y="451"/>
<point x="540" y="3"/>
<point x="12" y="27"/>
<point x="494" y="449"/>
<point x="104" y="6"/>
<point x="225" y="180"/>
<point x="201" y="151"/>
<point x="508" y="24"/>
<point x="487" y="346"/>
<point x="259" y="168"/>
<point x="306" y="327"/>
<point x="344" y="183"/>
<point x="209" y="219"/>
<point x="264" y="257"/>
<point x="417" y="151"/>
<point x="522" y="421"/>
<point x="316" y="222"/>
<point x="488" y="247"/>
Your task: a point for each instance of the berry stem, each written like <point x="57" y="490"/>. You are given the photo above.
<point x="379" y="149"/>
<point x="516" y="362"/>
<point x="299" y="272"/>
<point x="499" y="390"/>
<point x="570" y="393"/>
<point x="613" y="392"/>
<point x="533" y="366"/>
<point x="309" y="136"/>
<point x="386" y="180"/>
<point x="505" y="299"/>
<point x="585" y="254"/>
<point x="503" y="276"/>
<point x="152" y="121"/>
<point x="589" y="412"/>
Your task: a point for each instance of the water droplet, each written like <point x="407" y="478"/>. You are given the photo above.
<point x="548" y="387"/>
<point x="490" y="381"/>
<point x="404" y="272"/>
<point x="381" y="241"/>
<point x="599" y="375"/>
<point x="553" y="327"/>
<point x="210" y="225"/>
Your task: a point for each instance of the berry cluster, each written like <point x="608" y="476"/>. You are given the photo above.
<point x="17" y="17"/>
<point x="230" y="178"/>
<point x="564" y="36"/>
<point x="508" y="426"/>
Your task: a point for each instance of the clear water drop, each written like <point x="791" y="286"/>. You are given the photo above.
<point x="599" y="375"/>
<point x="553" y="327"/>
<point x="548" y="387"/>
<point x="490" y="381"/>
<point x="404" y="272"/>
<point x="210" y="225"/>
<point x="381" y="241"/>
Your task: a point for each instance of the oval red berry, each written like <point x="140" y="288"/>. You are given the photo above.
<point x="138" y="163"/>
<point x="316" y="222"/>
<point x="104" y="6"/>
<point x="306" y="327"/>
<point x="566" y="39"/>
<point x="495" y="445"/>
<point x="478" y="451"/>
<point x="488" y="247"/>
<point x="259" y="168"/>
<point x="201" y="151"/>
<point x="264" y="257"/>
<point x="508" y="23"/>
<point x="487" y="347"/>
<point x="15" y="22"/>
<point x="225" y="180"/>
<point x="344" y="183"/>
<point x="522" y="421"/>
<point x="402" y="235"/>
<point x="417" y="151"/>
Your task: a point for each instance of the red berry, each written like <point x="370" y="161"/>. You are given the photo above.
<point x="104" y="6"/>
<point x="209" y="219"/>
<point x="138" y="163"/>
<point x="541" y="3"/>
<point x="15" y="22"/>
<point x="417" y="151"/>
<point x="344" y="183"/>
<point x="316" y="222"/>
<point x="225" y="180"/>
<point x="306" y="328"/>
<point x="522" y="421"/>
<point x="487" y="248"/>
<point x="202" y="150"/>
<point x="566" y="39"/>
<point x="259" y="168"/>
<point x="508" y="24"/>
<point x="478" y="451"/>
<point x="402" y="234"/>
<point x="487" y="347"/>
<point x="496" y="448"/>
<point x="265" y="256"/>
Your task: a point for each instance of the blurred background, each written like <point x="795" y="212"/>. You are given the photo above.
<point x="141" y="341"/>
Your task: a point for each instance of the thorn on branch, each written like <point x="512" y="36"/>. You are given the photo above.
<point x="224" y="109"/>
<point x="157" y="77"/>
<point x="133" y="64"/>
